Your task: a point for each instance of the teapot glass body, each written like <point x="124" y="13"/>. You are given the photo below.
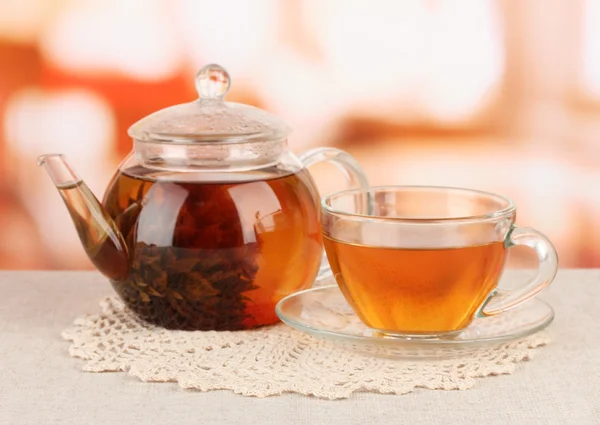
<point x="215" y="249"/>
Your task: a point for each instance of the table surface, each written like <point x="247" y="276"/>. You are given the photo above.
<point x="41" y="384"/>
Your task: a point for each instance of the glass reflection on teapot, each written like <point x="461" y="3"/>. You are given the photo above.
<point x="211" y="219"/>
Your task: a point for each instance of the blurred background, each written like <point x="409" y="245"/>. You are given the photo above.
<point x="502" y="96"/>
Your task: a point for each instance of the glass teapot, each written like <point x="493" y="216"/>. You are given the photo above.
<point x="211" y="219"/>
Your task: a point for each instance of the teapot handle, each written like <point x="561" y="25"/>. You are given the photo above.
<point x="351" y="169"/>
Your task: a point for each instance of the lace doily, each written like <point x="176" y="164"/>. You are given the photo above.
<point x="270" y="361"/>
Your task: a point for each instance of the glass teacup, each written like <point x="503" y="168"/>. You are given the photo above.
<point x="424" y="261"/>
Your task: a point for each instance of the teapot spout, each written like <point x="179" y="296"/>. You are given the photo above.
<point x="99" y="235"/>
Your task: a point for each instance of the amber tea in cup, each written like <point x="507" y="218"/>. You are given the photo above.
<point x="424" y="261"/>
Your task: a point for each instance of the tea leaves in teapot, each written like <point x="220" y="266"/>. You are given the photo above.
<point x="195" y="248"/>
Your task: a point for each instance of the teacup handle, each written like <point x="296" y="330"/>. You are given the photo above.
<point x="502" y="301"/>
<point x="352" y="171"/>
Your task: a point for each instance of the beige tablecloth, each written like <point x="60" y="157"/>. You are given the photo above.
<point x="41" y="384"/>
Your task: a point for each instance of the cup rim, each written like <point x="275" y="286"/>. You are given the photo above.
<point x="509" y="209"/>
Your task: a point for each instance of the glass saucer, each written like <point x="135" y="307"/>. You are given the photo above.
<point x="324" y="313"/>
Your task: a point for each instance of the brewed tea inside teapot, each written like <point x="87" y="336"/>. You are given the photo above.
<point x="211" y="219"/>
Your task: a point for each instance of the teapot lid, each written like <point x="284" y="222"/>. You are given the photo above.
<point x="209" y="119"/>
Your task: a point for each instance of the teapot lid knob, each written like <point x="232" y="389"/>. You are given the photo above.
<point x="212" y="82"/>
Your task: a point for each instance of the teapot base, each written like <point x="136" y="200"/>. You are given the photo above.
<point x="175" y="314"/>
